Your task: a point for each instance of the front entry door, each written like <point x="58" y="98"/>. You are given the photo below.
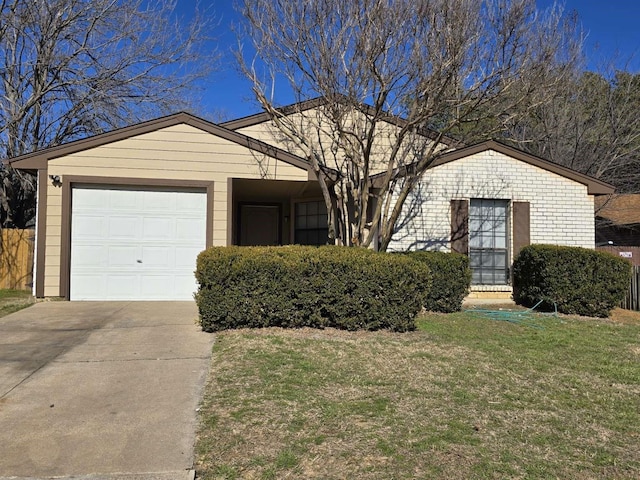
<point x="259" y="225"/>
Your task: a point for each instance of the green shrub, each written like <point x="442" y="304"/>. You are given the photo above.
<point x="580" y="281"/>
<point x="295" y="286"/>
<point x="450" y="280"/>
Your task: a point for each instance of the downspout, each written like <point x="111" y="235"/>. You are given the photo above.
<point x="34" y="272"/>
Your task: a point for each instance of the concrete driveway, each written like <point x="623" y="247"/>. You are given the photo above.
<point x="93" y="389"/>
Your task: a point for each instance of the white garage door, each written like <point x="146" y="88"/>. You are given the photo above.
<point x="135" y="244"/>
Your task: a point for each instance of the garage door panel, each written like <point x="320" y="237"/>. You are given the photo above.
<point x="159" y="201"/>
<point x="120" y="256"/>
<point x="122" y="227"/>
<point x="143" y="242"/>
<point x="183" y="286"/>
<point x="185" y="257"/>
<point x="159" y="229"/>
<point x="123" y="200"/>
<point x="155" y="285"/>
<point x="90" y="256"/>
<point x="158" y="257"/>
<point x="89" y="199"/>
<point x="88" y="286"/>
<point x="121" y="286"/>
<point x="189" y="228"/>
<point x="189" y="202"/>
<point x="86" y="226"/>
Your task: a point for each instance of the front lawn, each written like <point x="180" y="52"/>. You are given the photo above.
<point x="13" y="300"/>
<point x="463" y="397"/>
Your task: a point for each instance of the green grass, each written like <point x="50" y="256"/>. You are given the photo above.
<point x="13" y="300"/>
<point x="462" y="397"/>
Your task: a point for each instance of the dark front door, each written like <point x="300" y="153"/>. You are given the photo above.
<point x="259" y="225"/>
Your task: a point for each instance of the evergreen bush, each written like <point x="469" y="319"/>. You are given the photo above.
<point x="450" y="280"/>
<point x="578" y="280"/>
<point x="298" y="286"/>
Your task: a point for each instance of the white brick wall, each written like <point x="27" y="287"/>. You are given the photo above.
<point x="562" y="212"/>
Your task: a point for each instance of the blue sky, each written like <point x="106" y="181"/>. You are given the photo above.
<point x="612" y="28"/>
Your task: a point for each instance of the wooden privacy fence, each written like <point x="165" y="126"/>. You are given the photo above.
<point x="16" y="258"/>
<point x="632" y="301"/>
<point x="632" y="254"/>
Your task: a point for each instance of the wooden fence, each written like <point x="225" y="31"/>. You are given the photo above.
<point x="630" y="253"/>
<point x="632" y="301"/>
<point x="16" y="258"/>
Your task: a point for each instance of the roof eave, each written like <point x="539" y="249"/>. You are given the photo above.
<point x="39" y="160"/>
<point x="594" y="186"/>
<point x="303" y="106"/>
<point x="258" y="118"/>
<point x="32" y="164"/>
<point x="602" y="189"/>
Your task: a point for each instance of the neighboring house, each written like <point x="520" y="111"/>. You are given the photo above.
<point x="618" y="225"/>
<point x="618" y="220"/>
<point x="123" y="215"/>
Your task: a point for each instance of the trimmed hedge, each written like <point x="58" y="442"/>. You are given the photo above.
<point x="580" y="281"/>
<point x="295" y="286"/>
<point x="451" y="280"/>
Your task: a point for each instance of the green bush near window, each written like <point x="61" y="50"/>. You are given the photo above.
<point x="580" y="281"/>
<point x="450" y="280"/>
<point x="297" y="286"/>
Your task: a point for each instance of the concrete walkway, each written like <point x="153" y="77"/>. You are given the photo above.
<point x="101" y="390"/>
<point x="481" y="302"/>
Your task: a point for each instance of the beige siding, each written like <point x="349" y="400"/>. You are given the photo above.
<point x="319" y="128"/>
<point x="180" y="152"/>
<point x="267" y="133"/>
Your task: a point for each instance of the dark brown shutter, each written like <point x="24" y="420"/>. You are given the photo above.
<point x="521" y="226"/>
<point x="460" y="226"/>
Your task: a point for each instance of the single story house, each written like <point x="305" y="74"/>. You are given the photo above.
<point x="123" y="215"/>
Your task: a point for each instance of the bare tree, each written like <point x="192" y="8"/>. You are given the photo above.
<point x="591" y="125"/>
<point x="427" y="69"/>
<point x="73" y="68"/>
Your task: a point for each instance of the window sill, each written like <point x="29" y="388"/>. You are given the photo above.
<point x="491" y="288"/>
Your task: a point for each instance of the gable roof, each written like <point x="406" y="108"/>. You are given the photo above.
<point x="257" y="118"/>
<point x="305" y="105"/>
<point x="38" y="160"/>
<point x="620" y="209"/>
<point x="594" y="186"/>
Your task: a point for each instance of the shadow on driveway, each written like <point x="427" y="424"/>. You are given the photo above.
<point x="100" y="387"/>
<point x="34" y="337"/>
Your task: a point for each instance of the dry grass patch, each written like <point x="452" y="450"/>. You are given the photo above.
<point x="620" y="315"/>
<point x="462" y="397"/>
<point x="13" y="300"/>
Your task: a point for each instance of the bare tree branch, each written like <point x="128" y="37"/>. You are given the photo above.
<point x="590" y="125"/>
<point x="72" y="68"/>
<point x="441" y="66"/>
